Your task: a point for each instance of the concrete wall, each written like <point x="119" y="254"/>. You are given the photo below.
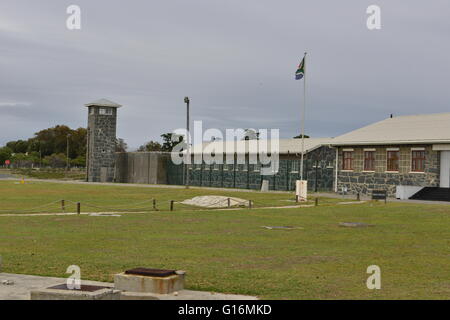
<point x="357" y="180"/>
<point x="141" y="167"/>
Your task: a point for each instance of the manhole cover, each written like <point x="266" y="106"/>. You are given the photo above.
<point x="150" y="272"/>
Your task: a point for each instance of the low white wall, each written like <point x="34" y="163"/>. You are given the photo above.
<point x="405" y="192"/>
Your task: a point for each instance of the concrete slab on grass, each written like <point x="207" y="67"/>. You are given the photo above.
<point x="23" y="284"/>
<point x="56" y="293"/>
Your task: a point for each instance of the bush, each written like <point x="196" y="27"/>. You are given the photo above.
<point x="5" y="154"/>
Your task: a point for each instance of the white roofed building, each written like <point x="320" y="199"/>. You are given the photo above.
<point x="402" y="155"/>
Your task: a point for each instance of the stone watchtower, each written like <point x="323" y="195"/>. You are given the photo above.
<point x="101" y="140"/>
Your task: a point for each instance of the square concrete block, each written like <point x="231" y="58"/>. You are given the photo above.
<point x="61" y="293"/>
<point x="147" y="284"/>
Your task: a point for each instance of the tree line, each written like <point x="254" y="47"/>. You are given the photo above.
<point x="49" y="147"/>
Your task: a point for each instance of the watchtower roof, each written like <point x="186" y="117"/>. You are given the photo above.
<point x="103" y="103"/>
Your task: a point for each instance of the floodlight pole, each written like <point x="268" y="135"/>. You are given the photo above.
<point x="303" y="118"/>
<point x="187" y="161"/>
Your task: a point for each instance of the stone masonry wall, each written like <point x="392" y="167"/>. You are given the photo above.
<point x="101" y="146"/>
<point x="357" y="180"/>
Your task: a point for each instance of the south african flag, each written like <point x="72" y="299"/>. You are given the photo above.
<point x="300" y="73"/>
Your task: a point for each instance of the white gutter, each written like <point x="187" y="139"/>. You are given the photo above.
<point x="350" y="143"/>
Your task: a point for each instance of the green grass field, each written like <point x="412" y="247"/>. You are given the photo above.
<point x="34" y="196"/>
<point x="229" y="251"/>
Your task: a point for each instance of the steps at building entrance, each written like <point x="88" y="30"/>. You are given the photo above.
<point x="433" y="194"/>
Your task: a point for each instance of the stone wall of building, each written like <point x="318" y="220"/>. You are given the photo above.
<point x="358" y="180"/>
<point x="101" y="145"/>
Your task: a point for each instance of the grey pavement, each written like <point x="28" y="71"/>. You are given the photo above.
<point x="21" y="285"/>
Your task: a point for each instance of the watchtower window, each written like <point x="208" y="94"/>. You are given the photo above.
<point x="105" y="111"/>
<point x="91" y="110"/>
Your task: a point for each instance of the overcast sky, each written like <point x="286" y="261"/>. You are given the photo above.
<point x="235" y="59"/>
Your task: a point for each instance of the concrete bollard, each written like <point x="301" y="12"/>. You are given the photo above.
<point x="229" y="202"/>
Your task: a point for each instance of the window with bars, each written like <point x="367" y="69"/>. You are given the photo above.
<point x="347" y="160"/>
<point x="369" y="160"/>
<point x="392" y="160"/>
<point x="105" y="111"/>
<point x="418" y="161"/>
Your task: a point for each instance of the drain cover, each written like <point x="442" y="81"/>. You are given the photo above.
<point x="86" y="288"/>
<point x="150" y="272"/>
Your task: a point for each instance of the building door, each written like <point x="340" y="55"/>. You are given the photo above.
<point x="103" y="174"/>
<point x="445" y="169"/>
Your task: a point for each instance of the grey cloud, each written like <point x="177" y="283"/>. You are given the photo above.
<point x="235" y="59"/>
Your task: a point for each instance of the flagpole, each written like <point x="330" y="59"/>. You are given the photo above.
<point x="303" y="117"/>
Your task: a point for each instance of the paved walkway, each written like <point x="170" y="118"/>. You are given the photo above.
<point x="21" y="285"/>
<point x="368" y="198"/>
